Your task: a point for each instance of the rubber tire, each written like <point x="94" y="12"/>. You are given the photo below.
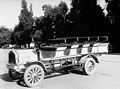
<point x="34" y="84"/>
<point x="14" y="74"/>
<point x="85" y="68"/>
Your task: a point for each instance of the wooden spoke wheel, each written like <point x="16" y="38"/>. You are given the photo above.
<point x="14" y="74"/>
<point x="34" y="75"/>
<point x="89" y="66"/>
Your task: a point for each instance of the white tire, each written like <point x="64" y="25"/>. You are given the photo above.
<point x="89" y="66"/>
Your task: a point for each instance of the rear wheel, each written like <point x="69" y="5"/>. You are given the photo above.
<point x="14" y="74"/>
<point x="34" y="75"/>
<point x="89" y="66"/>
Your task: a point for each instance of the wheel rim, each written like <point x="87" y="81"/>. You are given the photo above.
<point x="90" y="66"/>
<point x="34" y="75"/>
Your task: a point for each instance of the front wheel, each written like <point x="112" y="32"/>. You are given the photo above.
<point x="34" y="75"/>
<point x="89" y="66"/>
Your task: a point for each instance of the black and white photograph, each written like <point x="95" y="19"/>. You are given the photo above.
<point x="59" y="44"/>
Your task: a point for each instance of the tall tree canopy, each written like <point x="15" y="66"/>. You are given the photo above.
<point x="113" y="9"/>
<point x="22" y="32"/>
<point x="26" y="16"/>
<point x="51" y="25"/>
<point x="57" y="17"/>
<point x="86" y="17"/>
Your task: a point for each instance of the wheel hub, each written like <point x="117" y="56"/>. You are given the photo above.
<point x="90" y="66"/>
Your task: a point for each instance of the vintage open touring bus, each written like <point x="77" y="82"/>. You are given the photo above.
<point x="71" y="53"/>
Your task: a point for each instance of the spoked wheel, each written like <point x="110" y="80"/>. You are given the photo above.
<point x="89" y="66"/>
<point x="34" y="75"/>
<point x="14" y="74"/>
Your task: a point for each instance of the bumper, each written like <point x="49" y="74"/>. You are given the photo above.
<point x="18" y="68"/>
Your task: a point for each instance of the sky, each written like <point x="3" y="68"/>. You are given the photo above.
<point x="10" y="9"/>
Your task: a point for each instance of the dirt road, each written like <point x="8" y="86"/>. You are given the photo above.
<point x="107" y="76"/>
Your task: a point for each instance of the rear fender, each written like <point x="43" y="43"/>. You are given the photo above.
<point x="95" y="58"/>
<point x="84" y="58"/>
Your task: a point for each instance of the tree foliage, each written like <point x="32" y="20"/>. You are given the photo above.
<point x="51" y="25"/>
<point x="86" y="17"/>
<point x="5" y="35"/>
<point x="57" y="18"/>
<point x="26" y="16"/>
<point x="55" y="11"/>
<point x="18" y="35"/>
<point x="42" y="26"/>
<point x="22" y="32"/>
<point x="113" y="17"/>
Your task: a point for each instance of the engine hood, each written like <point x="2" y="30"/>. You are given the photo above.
<point x="23" y="56"/>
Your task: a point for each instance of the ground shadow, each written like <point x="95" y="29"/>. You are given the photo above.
<point x="78" y="72"/>
<point x="54" y="74"/>
<point x="6" y="77"/>
<point x="21" y="82"/>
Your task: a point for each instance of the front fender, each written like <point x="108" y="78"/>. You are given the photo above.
<point x="37" y="62"/>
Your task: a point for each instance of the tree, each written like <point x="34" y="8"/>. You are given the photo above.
<point x="61" y="20"/>
<point x="85" y="17"/>
<point x="26" y="20"/>
<point x="4" y="36"/>
<point x="113" y="16"/>
<point x="42" y="26"/>
<point x="51" y="25"/>
<point x="22" y="33"/>
<point x="56" y="17"/>
<point x="17" y="36"/>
